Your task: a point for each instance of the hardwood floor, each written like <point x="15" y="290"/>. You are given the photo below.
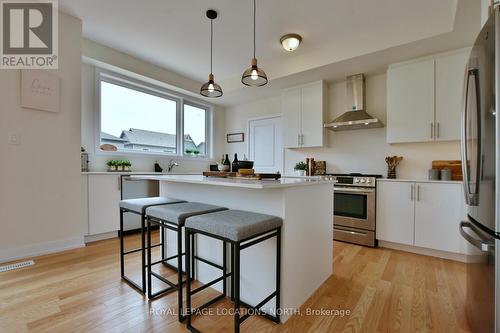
<point x="383" y="291"/>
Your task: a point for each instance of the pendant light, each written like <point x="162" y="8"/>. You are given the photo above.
<point x="211" y="89"/>
<point x="254" y="76"/>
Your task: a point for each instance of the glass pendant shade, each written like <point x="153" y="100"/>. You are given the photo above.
<point x="211" y="89"/>
<point x="254" y="76"/>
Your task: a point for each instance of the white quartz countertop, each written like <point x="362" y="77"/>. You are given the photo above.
<point x="152" y="173"/>
<point x="420" y="181"/>
<point x="231" y="182"/>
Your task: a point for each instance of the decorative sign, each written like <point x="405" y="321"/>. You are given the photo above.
<point x="235" y="137"/>
<point x="40" y="90"/>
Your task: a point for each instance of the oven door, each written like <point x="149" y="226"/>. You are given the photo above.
<point x="354" y="207"/>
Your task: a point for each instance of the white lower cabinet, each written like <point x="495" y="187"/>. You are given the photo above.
<point x="423" y="214"/>
<point x="437" y="216"/>
<point x="103" y="202"/>
<point x="395" y="212"/>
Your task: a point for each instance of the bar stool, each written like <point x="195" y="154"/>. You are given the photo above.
<point x="138" y="206"/>
<point x="173" y="217"/>
<point x="241" y="229"/>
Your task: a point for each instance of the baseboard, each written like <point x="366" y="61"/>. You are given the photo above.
<point x="99" y="237"/>
<point x="38" y="249"/>
<point x="427" y="252"/>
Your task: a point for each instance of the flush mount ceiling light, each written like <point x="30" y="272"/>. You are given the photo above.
<point x="211" y="89"/>
<point x="254" y="76"/>
<point x="290" y="41"/>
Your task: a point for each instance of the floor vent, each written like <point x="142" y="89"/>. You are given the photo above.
<point x="16" y="266"/>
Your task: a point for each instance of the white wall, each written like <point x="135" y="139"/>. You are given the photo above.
<point x="485" y="4"/>
<point x="128" y="65"/>
<point x="350" y="151"/>
<point x="40" y="178"/>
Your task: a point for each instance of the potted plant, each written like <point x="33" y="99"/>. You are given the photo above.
<point x="196" y="152"/>
<point x="188" y="151"/>
<point x="300" y="169"/>
<point x="127" y="165"/>
<point x="111" y="165"/>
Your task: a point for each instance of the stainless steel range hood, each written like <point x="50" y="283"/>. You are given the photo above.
<point x="356" y="116"/>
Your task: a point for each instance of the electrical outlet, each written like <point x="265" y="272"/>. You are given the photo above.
<point x="14" y="139"/>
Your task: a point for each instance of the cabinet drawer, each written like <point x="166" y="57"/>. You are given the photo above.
<point x="352" y="235"/>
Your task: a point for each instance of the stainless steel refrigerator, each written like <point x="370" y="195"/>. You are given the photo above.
<point x="481" y="170"/>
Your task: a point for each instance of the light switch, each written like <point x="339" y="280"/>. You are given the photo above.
<point x="14" y="139"/>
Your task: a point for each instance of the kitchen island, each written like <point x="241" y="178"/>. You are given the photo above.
<point x="306" y="206"/>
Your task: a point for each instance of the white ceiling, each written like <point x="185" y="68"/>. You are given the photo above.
<point x="175" y="34"/>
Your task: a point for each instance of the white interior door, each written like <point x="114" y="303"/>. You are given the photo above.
<point x="265" y="144"/>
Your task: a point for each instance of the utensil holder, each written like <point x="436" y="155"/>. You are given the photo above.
<point x="391" y="172"/>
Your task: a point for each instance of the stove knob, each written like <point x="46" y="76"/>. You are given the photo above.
<point x="363" y="180"/>
<point x="356" y="180"/>
<point x="369" y="180"/>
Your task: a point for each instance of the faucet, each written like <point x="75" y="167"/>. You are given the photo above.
<point x="171" y="165"/>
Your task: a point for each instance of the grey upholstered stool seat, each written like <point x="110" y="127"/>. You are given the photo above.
<point x="241" y="230"/>
<point x="235" y="225"/>
<point x="139" y="205"/>
<point x="178" y="213"/>
<point x="172" y="217"/>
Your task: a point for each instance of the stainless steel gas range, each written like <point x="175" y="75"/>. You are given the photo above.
<point x="354" y="208"/>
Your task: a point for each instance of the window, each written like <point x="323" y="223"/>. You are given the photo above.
<point x="136" y="117"/>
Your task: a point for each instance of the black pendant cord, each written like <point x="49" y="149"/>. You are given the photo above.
<point x="211" y="43"/>
<point x="254" y="28"/>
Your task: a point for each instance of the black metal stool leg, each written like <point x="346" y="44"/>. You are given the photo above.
<point x="188" y="276"/>
<point x="232" y="270"/>
<point x="143" y="251"/>
<point x="224" y="267"/>
<point x="236" y="277"/>
<point x="179" y="271"/>
<point x="278" y="274"/>
<point x="193" y="252"/>
<point x="149" y="258"/>
<point x="122" y="250"/>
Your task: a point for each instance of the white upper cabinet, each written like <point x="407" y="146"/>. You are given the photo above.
<point x="410" y="102"/>
<point x="291" y="104"/>
<point x="424" y="98"/>
<point x="303" y="110"/>
<point x="450" y="74"/>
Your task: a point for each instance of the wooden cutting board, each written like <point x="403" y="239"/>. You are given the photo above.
<point x="256" y="176"/>
<point x="454" y="165"/>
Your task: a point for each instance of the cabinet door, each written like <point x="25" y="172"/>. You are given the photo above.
<point x="437" y="216"/>
<point x="104" y="199"/>
<point x="85" y="204"/>
<point x="449" y="95"/>
<point x="291" y="117"/>
<point x="410" y="102"/>
<point x="395" y="212"/>
<point x="312" y="129"/>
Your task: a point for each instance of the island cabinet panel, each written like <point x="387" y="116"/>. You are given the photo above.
<point x="437" y="215"/>
<point x="103" y="203"/>
<point x="303" y="111"/>
<point x="395" y="212"/>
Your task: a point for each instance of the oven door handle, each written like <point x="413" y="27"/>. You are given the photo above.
<point x="353" y="190"/>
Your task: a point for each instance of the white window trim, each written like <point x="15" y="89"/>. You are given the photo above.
<point x="157" y="90"/>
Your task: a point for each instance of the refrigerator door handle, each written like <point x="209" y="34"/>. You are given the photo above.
<point x="482" y="244"/>
<point x="470" y="198"/>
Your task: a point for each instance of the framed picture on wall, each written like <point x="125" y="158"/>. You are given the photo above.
<point x="235" y="137"/>
<point x="40" y="90"/>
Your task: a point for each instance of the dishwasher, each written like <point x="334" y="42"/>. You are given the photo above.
<point x="133" y="189"/>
